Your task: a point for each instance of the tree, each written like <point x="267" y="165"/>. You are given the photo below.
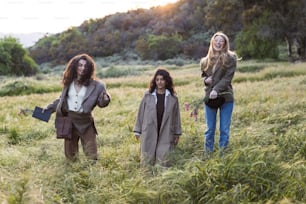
<point x="159" y="47"/>
<point x="14" y="59"/>
<point x="45" y="49"/>
<point x="278" y="20"/>
<point x="255" y="40"/>
<point x="289" y="23"/>
<point x="224" y="16"/>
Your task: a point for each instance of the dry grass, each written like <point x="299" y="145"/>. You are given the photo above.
<point x="266" y="161"/>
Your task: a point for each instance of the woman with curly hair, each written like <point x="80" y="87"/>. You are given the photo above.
<point x="158" y="120"/>
<point x="218" y="68"/>
<point x="81" y="93"/>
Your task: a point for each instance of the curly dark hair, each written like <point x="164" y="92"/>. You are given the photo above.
<point x="70" y="72"/>
<point x="166" y="75"/>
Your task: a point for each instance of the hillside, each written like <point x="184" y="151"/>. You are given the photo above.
<point x="176" y="26"/>
<point x="182" y="30"/>
<point x="266" y="162"/>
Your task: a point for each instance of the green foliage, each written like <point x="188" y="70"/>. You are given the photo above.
<point x="25" y="87"/>
<point x="263" y="24"/>
<point x="77" y="44"/>
<point x="117" y="33"/>
<point x="14" y="137"/>
<point x="230" y="21"/>
<point x="19" y="190"/>
<point x="197" y="45"/>
<point x="45" y="48"/>
<point x="266" y="74"/>
<point x="116" y="72"/>
<point x="14" y="60"/>
<point x="251" y="68"/>
<point x="249" y="45"/>
<point x="159" y="47"/>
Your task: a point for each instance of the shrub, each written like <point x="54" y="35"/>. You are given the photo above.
<point x="13" y="137"/>
<point x="24" y="87"/>
<point x="159" y="47"/>
<point x="15" y="59"/>
<point x="116" y="72"/>
<point x="249" y="45"/>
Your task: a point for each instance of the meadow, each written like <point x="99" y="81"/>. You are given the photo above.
<point x="266" y="161"/>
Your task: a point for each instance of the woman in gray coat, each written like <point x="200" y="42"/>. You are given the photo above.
<point x="158" y="120"/>
<point x="81" y="94"/>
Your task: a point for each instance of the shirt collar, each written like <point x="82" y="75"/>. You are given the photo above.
<point x="167" y="92"/>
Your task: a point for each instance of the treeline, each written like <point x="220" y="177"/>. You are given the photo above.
<point x="255" y="27"/>
<point x="158" y="33"/>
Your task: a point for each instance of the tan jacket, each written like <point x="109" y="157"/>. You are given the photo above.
<point x="154" y="148"/>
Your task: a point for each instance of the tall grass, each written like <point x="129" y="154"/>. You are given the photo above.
<point x="266" y="161"/>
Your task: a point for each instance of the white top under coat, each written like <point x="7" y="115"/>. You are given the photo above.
<point x="75" y="99"/>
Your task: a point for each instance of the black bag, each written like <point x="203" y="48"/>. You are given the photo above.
<point x="215" y="103"/>
<point x="63" y="125"/>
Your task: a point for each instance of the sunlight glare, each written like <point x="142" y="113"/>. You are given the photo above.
<point x="52" y="16"/>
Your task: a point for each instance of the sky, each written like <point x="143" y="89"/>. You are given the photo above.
<point x="54" y="16"/>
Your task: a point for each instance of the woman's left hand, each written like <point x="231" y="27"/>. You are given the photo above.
<point x="176" y="140"/>
<point x="105" y="96"/>
<point x="213" y="94"/>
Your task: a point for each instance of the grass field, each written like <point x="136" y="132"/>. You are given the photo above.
<point x="266" y="161"/>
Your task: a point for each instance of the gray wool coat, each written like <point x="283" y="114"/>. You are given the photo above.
<point x="154" y="148"/>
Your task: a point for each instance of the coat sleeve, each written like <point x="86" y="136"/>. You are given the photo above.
<point x="140" y="115"/>
<point x="203" y="65"/>
<point x="228" y="76"/>
<point x="52" y="106"/>
<point x="177" y="119"/>
<point x="102" y="102"/>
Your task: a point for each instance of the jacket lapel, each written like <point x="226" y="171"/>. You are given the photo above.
<point x="154" y="115"/>
<point x="167" y="112"/>
<point x="89" y="90"/>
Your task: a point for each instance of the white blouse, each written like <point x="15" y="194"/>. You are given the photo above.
<point x="75" y="99"/>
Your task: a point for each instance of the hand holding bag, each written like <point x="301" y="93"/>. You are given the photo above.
<point x="220" y="100"/>
<point x="63" y="125"/>
<point x="215" y="103"/>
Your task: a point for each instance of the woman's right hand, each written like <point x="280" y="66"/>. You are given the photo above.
<point x="208" y="80"/>
<point x="44" y="109"/>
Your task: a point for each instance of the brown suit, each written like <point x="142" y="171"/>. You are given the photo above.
<point x="83" y="123"/>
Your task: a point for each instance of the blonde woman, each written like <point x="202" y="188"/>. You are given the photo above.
<point x="218" y="68"/>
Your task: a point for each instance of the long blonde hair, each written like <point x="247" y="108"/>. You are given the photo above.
<point x="212" y="58"/>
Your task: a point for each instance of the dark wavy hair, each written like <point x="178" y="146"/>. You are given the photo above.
<point x="166" y="75"/>
<point x="70" y="72"/>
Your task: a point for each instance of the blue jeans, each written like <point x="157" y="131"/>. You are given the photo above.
<point x="225" y="122"/>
